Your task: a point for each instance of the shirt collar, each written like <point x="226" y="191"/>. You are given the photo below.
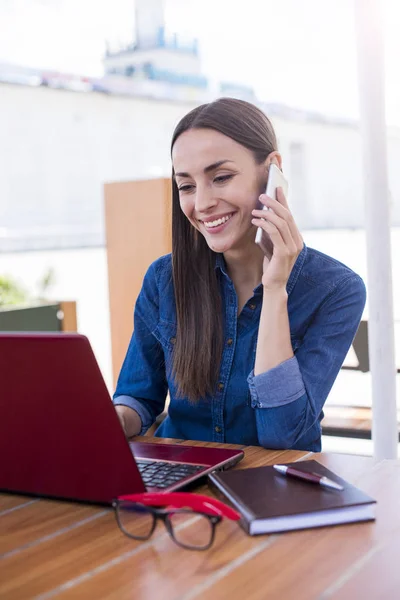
<point x="220" y="263"/>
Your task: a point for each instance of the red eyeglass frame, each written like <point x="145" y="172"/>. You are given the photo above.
<point x="197" y="502"/>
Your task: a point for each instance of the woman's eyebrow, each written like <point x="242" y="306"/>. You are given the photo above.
<point x="206" y="169"/>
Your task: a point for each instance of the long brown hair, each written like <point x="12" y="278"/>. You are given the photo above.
<point x="199" y="337"/>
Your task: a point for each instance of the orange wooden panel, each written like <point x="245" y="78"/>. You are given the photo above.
<point x="138" y="231"/>
<point x="69" y="321"/>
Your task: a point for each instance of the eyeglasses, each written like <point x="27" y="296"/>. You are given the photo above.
<point x="137" y="517"/>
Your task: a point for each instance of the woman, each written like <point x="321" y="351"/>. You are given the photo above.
<point x="247" y="347"/>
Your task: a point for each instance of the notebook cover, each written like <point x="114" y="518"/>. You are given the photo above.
<point x="263" y="493"/>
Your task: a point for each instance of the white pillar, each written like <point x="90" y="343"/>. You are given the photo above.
<point x="369" y="29"/>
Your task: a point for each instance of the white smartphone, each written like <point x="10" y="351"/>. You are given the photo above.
<point x="275" y="180"/>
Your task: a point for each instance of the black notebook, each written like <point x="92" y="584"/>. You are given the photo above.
<point x="270" y="502"/>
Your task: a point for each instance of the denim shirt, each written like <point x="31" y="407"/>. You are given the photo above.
<point x="280" y="408"/>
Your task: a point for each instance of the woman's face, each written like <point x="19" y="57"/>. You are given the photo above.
<point x="219" y="183"/>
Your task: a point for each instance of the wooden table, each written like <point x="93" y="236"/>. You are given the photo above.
<point x="350" y="421"/>
<point x="53" y="549"/>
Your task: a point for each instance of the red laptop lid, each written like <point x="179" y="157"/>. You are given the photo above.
<point x="59" y="433"/>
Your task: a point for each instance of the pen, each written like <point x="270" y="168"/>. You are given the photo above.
<point x="310" y="477"/>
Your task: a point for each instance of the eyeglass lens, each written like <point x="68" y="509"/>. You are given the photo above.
<point x="189" y="531"/>
<point x="135" y="520"/>
<point x="188" y="528"/>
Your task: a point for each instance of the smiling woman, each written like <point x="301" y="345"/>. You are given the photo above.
<point x="253" y="344"/>
<point x="217" y="198"/>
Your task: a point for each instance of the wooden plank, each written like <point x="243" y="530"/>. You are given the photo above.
<point x="258" y="457"/>
<point x="93" y="545"/>
<point x="350" y="421"/>
<point x="302" y="565"/>
<point x="185" y="575"/>
<point x="298" y="565"/>
<point x="213" y="445"/>
<point x="254" y="455"/>
<point x="11" y="501"/>
<point x="155" y="440"/>
<point x="375" y="575"/>
<point x="160" y="570"/>
<point x="94" y="559"/>
<point x="37" y="520"/>
<point x="39" y="568"/>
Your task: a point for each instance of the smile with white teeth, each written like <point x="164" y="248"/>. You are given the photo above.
<point x="218" y="221"/>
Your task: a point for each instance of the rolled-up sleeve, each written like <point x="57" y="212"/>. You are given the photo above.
<point x="278" y="386"/>
<point x="288" y="399"/>
<point x="139" y="407"/>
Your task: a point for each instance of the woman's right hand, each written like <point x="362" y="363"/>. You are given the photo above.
<point x="130" y="421"/>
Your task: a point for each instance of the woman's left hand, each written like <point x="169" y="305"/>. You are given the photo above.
<point x="280" y="225"/>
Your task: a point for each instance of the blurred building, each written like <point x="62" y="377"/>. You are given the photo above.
<point x="62" y="136"/>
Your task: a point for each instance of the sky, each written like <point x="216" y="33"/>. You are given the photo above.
<point x="298" y="52"/>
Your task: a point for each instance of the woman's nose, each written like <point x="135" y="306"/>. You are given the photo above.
<point x="204" y="200"/>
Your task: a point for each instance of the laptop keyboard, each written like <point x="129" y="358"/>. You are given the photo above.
<point x="163" y="474"/>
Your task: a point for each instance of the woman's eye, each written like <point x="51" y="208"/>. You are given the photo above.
<point x="222" y="178"/>
<point x="185" y="188"/>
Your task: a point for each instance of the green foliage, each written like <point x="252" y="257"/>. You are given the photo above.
<point x="11" y="292"/>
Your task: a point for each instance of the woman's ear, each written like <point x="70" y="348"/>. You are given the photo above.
<point x="274" y="158"/>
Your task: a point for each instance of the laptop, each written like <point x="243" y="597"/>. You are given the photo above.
<point x="60" y="436"/>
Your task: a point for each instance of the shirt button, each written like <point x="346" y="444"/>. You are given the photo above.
<point x="252" y="306"/>
<point x="220" y="386"/>
<point x="229" y="342"/>
<point x="218" y="429"/>
<point x="172" y="340"/>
